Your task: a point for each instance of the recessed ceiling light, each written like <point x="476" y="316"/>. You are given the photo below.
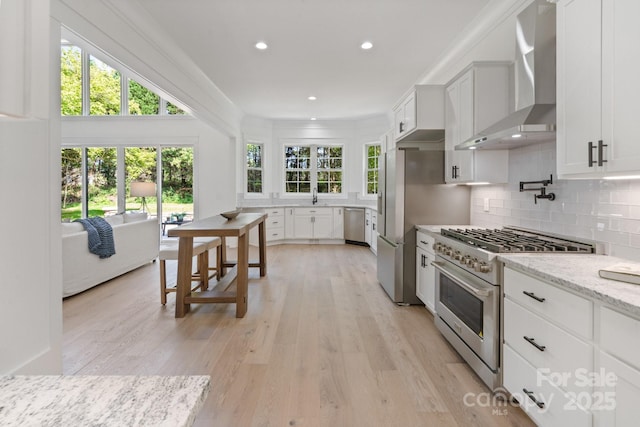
<point x="261" y="45"/>
<point x="472" y="148"/>
<point x="366" y="45"/>
<point x="516" y="135"/>
<point x="313" y="118"/>
<point x="312" y="98"/>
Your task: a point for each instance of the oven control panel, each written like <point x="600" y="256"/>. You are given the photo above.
<point x="468" y="258"/>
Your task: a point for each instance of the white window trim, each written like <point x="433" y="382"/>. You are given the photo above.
<point x="365" y="169"/>
<point x="314" y="177"/>
<point x="245" y="180"/>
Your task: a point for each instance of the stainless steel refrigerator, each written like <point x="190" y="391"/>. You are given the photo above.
<point x="412" y="192"/>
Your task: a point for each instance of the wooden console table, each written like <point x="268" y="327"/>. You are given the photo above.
<point x="221" y="227"/>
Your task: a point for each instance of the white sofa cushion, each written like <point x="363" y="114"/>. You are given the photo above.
<point x="115" y="219"/>
<point x="71" y="227"/>
<point x="134" y="216"/>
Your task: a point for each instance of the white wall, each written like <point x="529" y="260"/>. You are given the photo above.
<point x="30" y="254"/>
<point x="214" y="152"/>
<point x="353" y="134"/>
<point x="602" y="210"/>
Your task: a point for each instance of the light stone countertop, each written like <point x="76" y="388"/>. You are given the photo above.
<point x="50" y="400"/>
<point x="579" y="273"/>
<point x="318" y="205"/>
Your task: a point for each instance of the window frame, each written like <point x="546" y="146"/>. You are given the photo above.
<point x="313" y="169"/>
<point x="247" y="169"/>
<point x="365" y="189"/>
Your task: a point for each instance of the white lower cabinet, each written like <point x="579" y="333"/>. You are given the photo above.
<point x="338" y="223"/>
<point x="538" y="396"/>
<point x="546" y="352"/>
<point x="425" y="272"/>
<point x="374" y="232"/>
<point x="619" y="364"/>
<point x="367" y="226"/>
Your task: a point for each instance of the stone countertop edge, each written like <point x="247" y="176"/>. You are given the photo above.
<point x="53" y="400"/>
<point x="579" y="272"/>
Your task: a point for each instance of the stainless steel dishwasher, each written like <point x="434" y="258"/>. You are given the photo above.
<point x="354" y="226"/>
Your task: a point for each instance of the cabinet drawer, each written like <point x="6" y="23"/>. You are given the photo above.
<point x="620" y="336"/>
<point x="558" y="410"/>
<point x="274" y="212"/>
<point x="313" y="211"/>
<point x="425" y="241"/>
<point x="274" y="222"/>
<point x="569" y="310"/>
<point x="559" y="354"/>
<point x="275" y="233"/>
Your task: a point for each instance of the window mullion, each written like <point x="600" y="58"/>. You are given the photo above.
<point x="86" y="84"/>
<point x="314" y="167"/>
<point x="124" y="95"/>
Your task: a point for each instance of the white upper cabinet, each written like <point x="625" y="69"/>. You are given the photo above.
<point x="598" y="88"/>
<point x="419" y="116"/>
<point x="474" y="100"/>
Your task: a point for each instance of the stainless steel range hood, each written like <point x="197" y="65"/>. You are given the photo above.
<point x="534" y="119"/>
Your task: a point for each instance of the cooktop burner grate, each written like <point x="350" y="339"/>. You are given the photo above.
<point x="511" y="239"/>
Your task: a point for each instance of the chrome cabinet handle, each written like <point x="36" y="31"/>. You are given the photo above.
<point x="533" y="342"/>
<point x="532" y="295"/>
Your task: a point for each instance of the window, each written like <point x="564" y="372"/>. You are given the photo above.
<point x="141" y="100"/>
<point x="297" y="166"/>
<point x="372" y="152"/>
<point x="329" y="173"/>
<point x="313" y="166"/>
<point x="95" y="192"/>
<point x="254" y="168"/>
<point x="106" y="88"/>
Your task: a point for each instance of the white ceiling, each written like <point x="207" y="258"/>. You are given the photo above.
<point x="314" y="49"/>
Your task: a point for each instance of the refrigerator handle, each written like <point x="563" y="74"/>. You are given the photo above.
<point x="380" y="201"/>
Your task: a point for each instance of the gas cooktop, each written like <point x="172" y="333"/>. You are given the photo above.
<point x="512" y="239"/>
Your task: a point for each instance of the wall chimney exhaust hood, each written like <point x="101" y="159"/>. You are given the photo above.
<point x="534" y="119"/>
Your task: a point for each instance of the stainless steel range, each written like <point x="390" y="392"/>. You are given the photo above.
<point x="469" y="287"/>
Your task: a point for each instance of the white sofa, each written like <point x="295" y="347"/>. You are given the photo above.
<point x="136" y="240"/>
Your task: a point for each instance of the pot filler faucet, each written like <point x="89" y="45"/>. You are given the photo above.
<point x="314" y="197"/>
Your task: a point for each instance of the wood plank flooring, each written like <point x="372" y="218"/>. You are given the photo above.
<point x="321" y="345"/>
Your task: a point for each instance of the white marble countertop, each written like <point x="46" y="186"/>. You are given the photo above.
<point x="579" y="272"/>
<point x="104" y="401"/>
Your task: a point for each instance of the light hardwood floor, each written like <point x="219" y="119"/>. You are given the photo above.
<point x="321" y="345"/>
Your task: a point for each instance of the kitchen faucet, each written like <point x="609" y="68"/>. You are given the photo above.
<point x="314" y="197"/>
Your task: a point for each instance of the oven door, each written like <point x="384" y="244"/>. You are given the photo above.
<point x="470" y="307"/>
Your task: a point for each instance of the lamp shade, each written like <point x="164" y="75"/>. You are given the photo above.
<point x="143" y="189"/>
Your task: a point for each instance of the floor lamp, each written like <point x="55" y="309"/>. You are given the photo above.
<point x="144" y="190"/>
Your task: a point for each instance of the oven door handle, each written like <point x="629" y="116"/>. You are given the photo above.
<point x="483" y="293"/>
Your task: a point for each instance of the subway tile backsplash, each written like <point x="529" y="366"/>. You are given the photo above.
<point x="605" y="211"/>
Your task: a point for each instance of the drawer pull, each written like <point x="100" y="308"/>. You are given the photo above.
<point x="533" y="342"/>
<point x="274" y="222"/>
<point x="533" y="399"/>
<point x="532" y="295"/>
<point x="424" y="243"/>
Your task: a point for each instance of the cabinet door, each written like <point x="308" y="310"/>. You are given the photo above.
<point x="303" y="226"/>
<point x="289" y="231"/>
<point x="398" y="122"/>
<point x="579" y="97"/>
<point x="409" y="108"/>
<point x="618" y="395"/>
<point x="367" y="227"/>
<point x="323" y="227"/>
<point x="620" y="84"/>
<point x="338" y="223"/>
<point x="425" y="279"/>
<point x="421" y="273"/>
<point x="374" y="232"/>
